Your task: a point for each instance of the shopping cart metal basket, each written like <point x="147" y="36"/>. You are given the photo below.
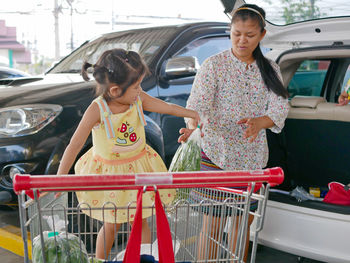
<point x="45" y="216"/>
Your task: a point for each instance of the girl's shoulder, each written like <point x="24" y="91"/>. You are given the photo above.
<point x="97" y="100"/>
<point x="92" y="113"/>
<point x="99" y="105"/>
<point x="94" y="106"/>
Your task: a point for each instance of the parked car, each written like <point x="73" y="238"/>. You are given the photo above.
<point x="38" y="117"/>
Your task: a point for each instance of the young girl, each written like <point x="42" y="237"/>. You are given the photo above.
<point x="119" y="145"/>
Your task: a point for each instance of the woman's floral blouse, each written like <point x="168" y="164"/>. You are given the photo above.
<point x="225" y="91"/>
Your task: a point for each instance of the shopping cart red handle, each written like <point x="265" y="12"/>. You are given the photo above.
<point x="273" y="176"/>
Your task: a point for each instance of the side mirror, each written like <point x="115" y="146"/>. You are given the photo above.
<point x="180" y="67"/>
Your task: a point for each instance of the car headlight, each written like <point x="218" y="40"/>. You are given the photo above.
<point x="26" y="119"/>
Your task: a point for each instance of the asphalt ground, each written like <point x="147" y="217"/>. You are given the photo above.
<point x="11" y="242"/>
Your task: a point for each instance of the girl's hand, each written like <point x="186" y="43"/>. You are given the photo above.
<point x="255" y="125"/>
<point x="186" y="133"/>
<point x="195" y="116"/>
<point x="343" y="99"/>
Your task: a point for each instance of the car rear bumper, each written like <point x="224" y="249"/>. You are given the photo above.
<point x="306" y="232"/>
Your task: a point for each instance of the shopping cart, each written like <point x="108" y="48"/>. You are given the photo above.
<point x="43" y="212"/>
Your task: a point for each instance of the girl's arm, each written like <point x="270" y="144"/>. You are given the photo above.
<point x="90" y="119"/>
<point x="156" y="105"/>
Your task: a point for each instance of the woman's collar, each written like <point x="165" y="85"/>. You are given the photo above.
<point x="242" y="63"/>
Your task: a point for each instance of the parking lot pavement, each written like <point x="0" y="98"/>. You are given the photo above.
<point x="10" y="234"/>
<point x="9" y="257"/>
<point x="270" y="255"/>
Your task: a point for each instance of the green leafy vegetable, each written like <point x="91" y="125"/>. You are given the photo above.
<point x="188" y="155"/>
<point x="59" y="247"/>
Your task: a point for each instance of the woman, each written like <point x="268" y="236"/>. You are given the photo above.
<point x="238" y="94"/>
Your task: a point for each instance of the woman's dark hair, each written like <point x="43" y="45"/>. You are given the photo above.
<point x="268" y="73"/>
<point x="116" y="66"/>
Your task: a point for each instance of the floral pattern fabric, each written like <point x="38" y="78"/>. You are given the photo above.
<point x="225" y="91"/>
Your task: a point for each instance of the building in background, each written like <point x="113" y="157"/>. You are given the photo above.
<point x="12" y="53"/>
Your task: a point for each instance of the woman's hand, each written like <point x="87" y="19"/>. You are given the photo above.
<point x="255" y="125"/>
<point x="343" y="99"/>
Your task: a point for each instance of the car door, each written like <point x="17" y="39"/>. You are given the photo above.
<point x="177" y="90"/>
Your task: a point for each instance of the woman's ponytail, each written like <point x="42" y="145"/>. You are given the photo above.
<point x="269" y="75"/>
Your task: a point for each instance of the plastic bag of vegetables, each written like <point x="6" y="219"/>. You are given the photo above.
<point x="60" y="247"/>
<point x="188" y="156"/>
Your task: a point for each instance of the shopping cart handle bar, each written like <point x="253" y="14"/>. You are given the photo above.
<point x="273" y="176"/>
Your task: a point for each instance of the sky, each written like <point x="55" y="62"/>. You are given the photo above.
<point x="34" y="19"/>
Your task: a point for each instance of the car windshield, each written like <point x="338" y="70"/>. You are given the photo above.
<point x="282" y="12"/>
<point x="147" y="42"/>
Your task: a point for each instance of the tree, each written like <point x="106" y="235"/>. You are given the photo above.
<point x="298" y="10"/>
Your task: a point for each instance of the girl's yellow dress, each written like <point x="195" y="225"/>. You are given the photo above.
<point x="119" y="147"/>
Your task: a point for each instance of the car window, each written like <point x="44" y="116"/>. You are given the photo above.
<point x="147" y="43"/>
<point x="4" y="75"/>
<point x="205" y="47"/>
<point x="308" y="79"/>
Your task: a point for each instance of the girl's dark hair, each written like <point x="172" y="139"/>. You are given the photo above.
<point x="116" y="66"/>
<point x="268" y="73"/>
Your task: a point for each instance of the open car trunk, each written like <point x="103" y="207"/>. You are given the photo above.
<point x="313" y="149"/>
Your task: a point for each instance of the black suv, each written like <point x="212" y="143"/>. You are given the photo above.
<point x="39" y="115"/>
